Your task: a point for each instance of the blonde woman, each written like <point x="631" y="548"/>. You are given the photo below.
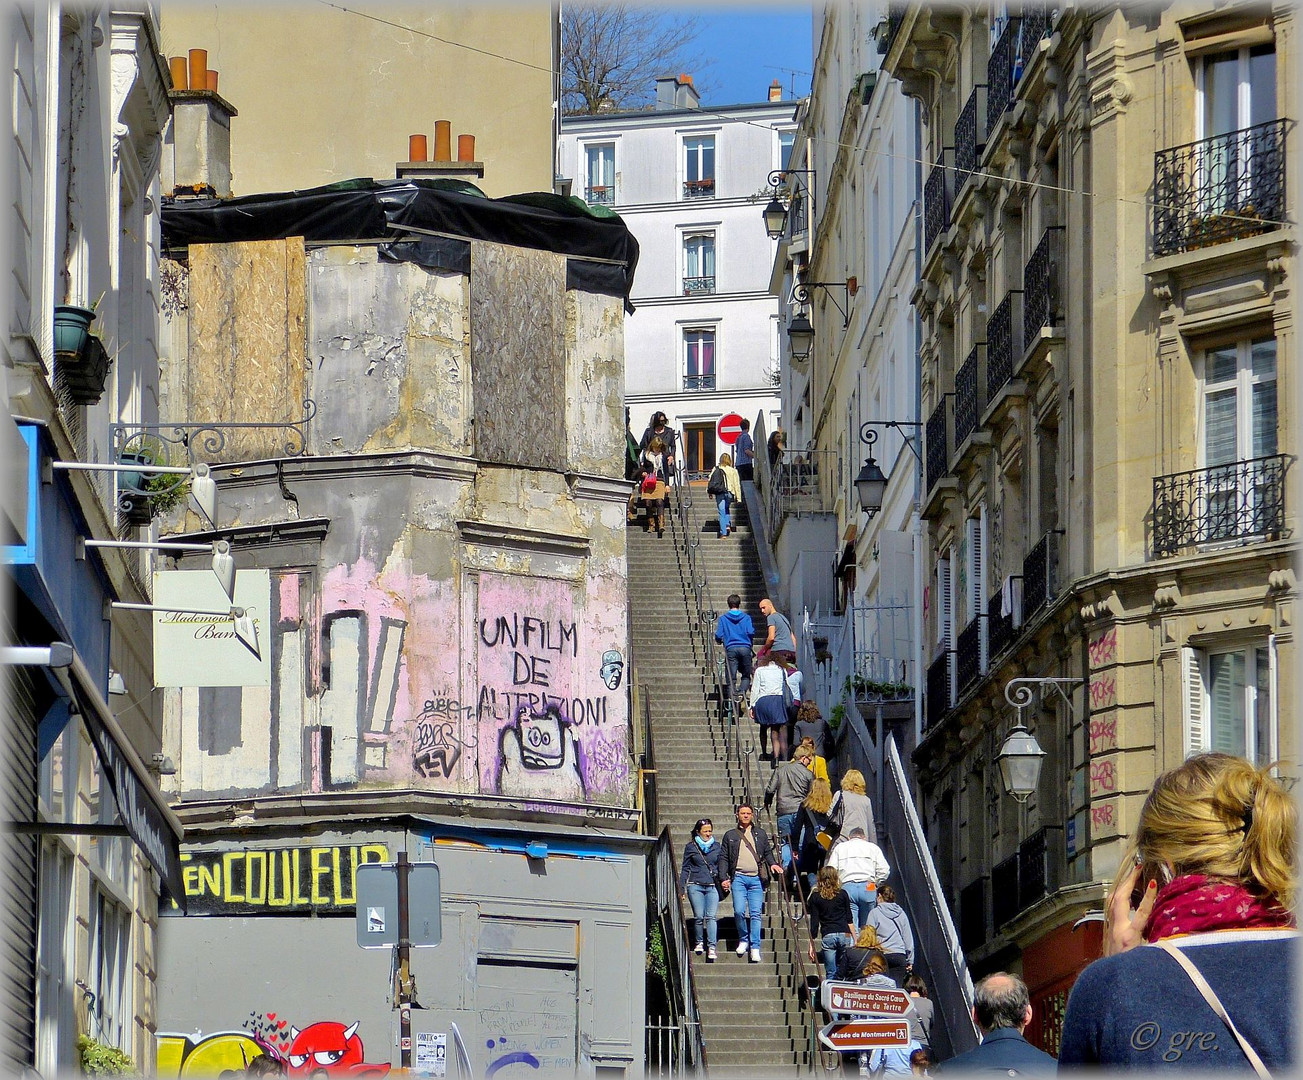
<point x="851" y="808"/>
<point x="726" y="488"/>
<point x="811" y="820"/>
<point x="830" y="920"/>
<point x="1209" y="880"/>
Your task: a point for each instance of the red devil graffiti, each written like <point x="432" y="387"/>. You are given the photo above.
<point x="331" y="1048"/>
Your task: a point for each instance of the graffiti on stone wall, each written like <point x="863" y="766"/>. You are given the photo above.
<point x="437" y="741"/>
<point x="612" y="668"/>
<point x="325" y="1047"/>
<point x="539" y="757"/>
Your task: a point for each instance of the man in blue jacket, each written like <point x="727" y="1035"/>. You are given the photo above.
<point x="1002" y="1008"/>
<point x="734" y="631"/>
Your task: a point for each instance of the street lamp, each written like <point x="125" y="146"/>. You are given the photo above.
<point x="775" y="219"/>
<point x="871" y="483"/>
<point x="800" y="336"/>
<point x="1020" y="761"/>
<point x="775" y="214"/>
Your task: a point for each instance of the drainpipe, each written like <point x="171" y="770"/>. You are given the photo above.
<point x="919" y="481"/>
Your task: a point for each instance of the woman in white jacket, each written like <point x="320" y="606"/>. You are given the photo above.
<point x="767" y="708"/>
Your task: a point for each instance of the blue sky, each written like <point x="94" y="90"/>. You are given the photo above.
<point x="749" y="44"/>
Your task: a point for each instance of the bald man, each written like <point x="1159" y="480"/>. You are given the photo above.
<point x="1002" y="1009"/>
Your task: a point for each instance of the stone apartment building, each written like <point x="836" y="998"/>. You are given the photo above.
<point x="1107" y="308"/>
<point x="685" y="178"/>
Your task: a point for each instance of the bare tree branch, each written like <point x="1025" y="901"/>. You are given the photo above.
<point x="611" y="54"/>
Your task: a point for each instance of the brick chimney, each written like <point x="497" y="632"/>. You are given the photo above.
<point x="775" y="91"/>
<point x="676" y="92"/>
<point x="197" y="151"/>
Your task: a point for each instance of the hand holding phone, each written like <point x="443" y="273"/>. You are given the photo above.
<point x="1128" y="913"/>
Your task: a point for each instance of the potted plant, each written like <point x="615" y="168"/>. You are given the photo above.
<point x="82" y="362"/>
<point x="99" y="1059"/>
<point x="143" y="496"/>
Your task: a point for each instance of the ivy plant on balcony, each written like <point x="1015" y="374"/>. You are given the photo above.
<point x="144" y="496"/>
<point x="99" y="1059"/>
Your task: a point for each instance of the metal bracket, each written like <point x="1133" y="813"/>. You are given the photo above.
<point x="1018" y="692"/>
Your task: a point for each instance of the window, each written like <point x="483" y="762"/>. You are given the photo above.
<point x="698" y="264"/>
<point x="699" y="167"/>
<point x="599" y="173"/>
<point x="785" y="141"/>
<point x="1235" y="92"/>
<point x="111" y="971"/>
<point x="1230" y="701"/>
<point x="56" y="1021"/>
<point x="699" y="450"/>
<point x="699" y="355"/>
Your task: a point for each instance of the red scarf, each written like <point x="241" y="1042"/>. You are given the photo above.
<point x="1193" y="903"/>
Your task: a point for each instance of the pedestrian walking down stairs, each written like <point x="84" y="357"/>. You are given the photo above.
<point x="750" y="1017"/>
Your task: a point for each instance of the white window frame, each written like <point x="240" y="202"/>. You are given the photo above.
<point x="778" y="147"/>
<point x="686" y="235"/>
<point x="112" y="972"/>
<point x="1244" y="382"/>
<point x="56" y="1022"/>
<point x="1243" y="88"/>
<point x="685" y="157"/>
<point x="1197" y="699"/>
<point x="599" y="144"/>
<point x="698" y="328"/>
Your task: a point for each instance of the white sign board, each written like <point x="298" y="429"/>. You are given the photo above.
<point x="431" y="1054"/>
<point x="203" y="649"/>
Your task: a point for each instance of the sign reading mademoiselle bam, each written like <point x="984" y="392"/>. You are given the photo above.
<point x="195" y="643"/>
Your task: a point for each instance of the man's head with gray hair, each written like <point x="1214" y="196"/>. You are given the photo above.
<point x="1001" y="1000"/>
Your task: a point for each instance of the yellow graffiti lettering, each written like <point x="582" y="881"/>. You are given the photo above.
<point x="178" y="1056"/>
<point x="299" y="898"/>
<point x="258" y="860"/>
<point x="190" y="880"/>
<point x="210" y="880"/>
<point x="318" y="872"/>
<point x="228" y="859"/>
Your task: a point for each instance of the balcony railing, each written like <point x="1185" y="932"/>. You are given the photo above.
<point x="699" y="189"/>
<point x="1000" y="631"/>
<point x="1038" y="574"/>
<point x="939" y="698"/>
<point x="1001" y="73"/>
<point x="1244" y="500"/>
<point x="1035" y="878"/>
<point x="971" y="653"/>
<point x="938" y="192"/>
<point x="1219" y="189"/>
<point x="699" y="286"/>
<point x="937" y="445"/>
<point x="969" y="399"/>
<point x="1036" y="20"/>
<point x="1043" y="285"/>
<point x="699" y="382"/>
<point x="602" y="196"/>
<point x="972" y="915"/>
<point x="1003" y="343"/>
<point x="1004" y="891"/>
<point x="970" y="136"/>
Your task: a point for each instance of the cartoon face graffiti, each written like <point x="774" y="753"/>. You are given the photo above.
<point x="539" y="757"/>
<point x="612" y="668"/>
<point x="331" y="1048"/>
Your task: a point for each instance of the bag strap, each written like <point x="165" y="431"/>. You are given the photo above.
<point x="1214" y="1002"/>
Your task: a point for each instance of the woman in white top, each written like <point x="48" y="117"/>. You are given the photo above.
<point x="767" y="707"/>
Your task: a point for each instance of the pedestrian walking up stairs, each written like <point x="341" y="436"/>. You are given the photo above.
<point x="752" y="1018"/>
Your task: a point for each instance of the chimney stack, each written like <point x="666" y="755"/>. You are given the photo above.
<point x="676" y="92"/>
<point x="775" y="91"/>
<point x="197" y="156"/>
<point x="442" y="164"/>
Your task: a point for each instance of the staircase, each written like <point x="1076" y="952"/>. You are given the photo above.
<point x="750" y="1018"/>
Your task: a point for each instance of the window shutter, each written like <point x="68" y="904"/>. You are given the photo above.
<point x="976" y="565"/>
<point x="1192" y="681"/>
<point x="943" y="602"/>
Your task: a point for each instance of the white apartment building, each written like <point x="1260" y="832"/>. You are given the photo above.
<point x="688" y="181"/>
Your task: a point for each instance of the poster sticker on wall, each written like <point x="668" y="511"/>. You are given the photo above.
<point x="198" y="643"/>
<point x="431" y="1053"/>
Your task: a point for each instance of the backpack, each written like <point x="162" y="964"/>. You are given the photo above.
<point x="716" y="485"/>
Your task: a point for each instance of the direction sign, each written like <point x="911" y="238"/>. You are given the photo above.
<point x="729" y="428"/>
<point x="849" y="997"/>
<point x="865" y="1034"/>
<point x="376" y="890"/>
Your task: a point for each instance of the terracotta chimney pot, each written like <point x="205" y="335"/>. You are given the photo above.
<point x="442" y="140"/>
<point x="465" y="147"/>
<point x="180" y="72"/>
<point x="198" y="69"/>
<point x="211" y="80"/>
<point x="418" y="148"/>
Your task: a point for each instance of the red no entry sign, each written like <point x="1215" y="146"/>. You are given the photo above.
<point x="865" y="1034"/>
<point x="729" y="427"/>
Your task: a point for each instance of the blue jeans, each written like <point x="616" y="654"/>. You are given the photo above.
<point x="739" y="667"/>
<point x="863" y="900"/>
<point x="748" y="903"/>
<point x="785" y="823"/>
<point x="723" y="502"/>
<point x="705" y="906"/>
<point x="832" y="947"/>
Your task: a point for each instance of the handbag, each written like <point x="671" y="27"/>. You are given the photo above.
<point x="1215" y="1003"/>
<point x="789" y="699"/>
<point x="716" y="485"/>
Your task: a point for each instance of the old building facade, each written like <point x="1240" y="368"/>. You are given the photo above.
<point x="1106" y="298"/>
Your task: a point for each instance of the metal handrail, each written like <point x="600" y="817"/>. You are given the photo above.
<point x="680" y="925"/>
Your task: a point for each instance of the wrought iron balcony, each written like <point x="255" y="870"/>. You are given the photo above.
<point x="1038" y="574"/>
<point x="937" y="445"/>
<point x="1035" y="878"/>
<point x="971" y="653"/>
<point x="699" y="382"/>
<point x="602" y="196"/>
<point x="1003" y="343"/>
<point x="970" y="136"/>
<point x="1036" y="21"/>
<point x="1219" y="189"/>
<point x="1043" y="284"/>
<point x="1002" y="72"/>
<point x="699" y="286"/>
<point x="938" y="700"/>
<point x="699" y="189"/>
<point x="938" y="192"/>
<point x="972" y="915"/>
<point x="1004" y="891"/>
<point x="1244" y="500"/>
<point x="969" y="398"/>
<point x="1000" y="632"/>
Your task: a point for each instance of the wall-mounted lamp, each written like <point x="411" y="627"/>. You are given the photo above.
<point x="871" y="483"/>
<point x="223" y="560"/>
<point x="775" y="214"/>
<point x="203" y="488"/>
<point x="801" y="294"/>
<point x="1020" y="757"/>
<point x="800" y="337"/>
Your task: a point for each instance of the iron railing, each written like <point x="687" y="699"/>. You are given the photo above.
<point x="1036" y="22"/>
<point x="702" y="285"/>
<point x="972" y="914"/>
<point x="1001" y="73"/>
<point x="936" y="444"/>
<point x="1000" y="631"/>
<point x="799" y="483"/>
<point x="1242" y="500"/>
<point x="602" y="195"/>
<point x="1038" y="572"/>
<point x="970" y="136"/>
<point x="1219" y="189"/>
<point x="699" y="382"/>
<point x="969" y="399"/>
<point x="1004" y="891"/>
<point x="938" y="197"/>
<point x="681" y="987"/>
<point x="1003" y="343"/>
<point x="1043" y="285"/>
<point x="938" y="700"/>
<point x="699" y="189"/>
<point x="970" y="653"/>
<point x="669" y="1045"/>
<point x="1035" y="867"/>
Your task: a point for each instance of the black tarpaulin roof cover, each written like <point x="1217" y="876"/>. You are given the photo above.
<point x="602" y="253"/>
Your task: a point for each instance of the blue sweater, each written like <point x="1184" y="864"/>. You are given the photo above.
<point x="1139" y="1009"/>
<point x="734" y="628"/>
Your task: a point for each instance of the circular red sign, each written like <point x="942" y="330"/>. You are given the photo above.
<point x="729" y="428"/>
